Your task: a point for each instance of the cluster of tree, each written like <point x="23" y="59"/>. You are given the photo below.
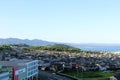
<point x="5" y="47"/>
<point x="94" y="52"/>
<point x="19" y="45"/>
<point x="55" y="47"/>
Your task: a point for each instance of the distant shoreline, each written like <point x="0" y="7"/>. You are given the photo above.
<point x="102" y="49"/>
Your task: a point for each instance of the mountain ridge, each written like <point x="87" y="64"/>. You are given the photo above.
<point x="37" y="42"/>
<point x="34" y="42"/>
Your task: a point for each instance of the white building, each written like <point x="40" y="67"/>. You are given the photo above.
<point x="21" y="69"/>
<point x="31" y="68"/>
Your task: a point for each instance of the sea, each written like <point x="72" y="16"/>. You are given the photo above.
<point x="103" y="49"/>
<point x="99" y="47"/>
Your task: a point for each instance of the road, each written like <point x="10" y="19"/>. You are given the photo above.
<point x="51" y="76"/>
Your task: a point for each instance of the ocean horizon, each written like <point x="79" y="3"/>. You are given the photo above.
<point x="104" y="49"/>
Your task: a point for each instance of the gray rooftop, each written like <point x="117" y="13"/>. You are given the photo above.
<point x="13" y="63"/>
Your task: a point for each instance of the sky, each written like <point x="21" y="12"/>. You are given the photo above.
<point x="72" y="21"/>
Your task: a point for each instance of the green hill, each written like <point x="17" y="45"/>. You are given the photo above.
<point x="56" y="47"/>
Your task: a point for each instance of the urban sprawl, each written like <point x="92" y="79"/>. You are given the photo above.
<point x="20" y="62"/>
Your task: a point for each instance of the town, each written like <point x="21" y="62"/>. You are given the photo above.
<point x="23" y="62"/>
<point x="59" y="40"/>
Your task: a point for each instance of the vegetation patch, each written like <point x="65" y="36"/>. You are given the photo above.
<point x="91" y="74"/>
<point x="55" y="47"/>
<point x="5" y="47"/>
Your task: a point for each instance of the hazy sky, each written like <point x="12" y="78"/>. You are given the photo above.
<point x="76" y="21"/>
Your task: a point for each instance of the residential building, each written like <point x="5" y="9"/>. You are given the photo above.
<point x="21" y="69"/>
<point x="31" y="68"/>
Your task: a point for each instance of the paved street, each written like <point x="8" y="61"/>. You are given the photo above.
<point x="51" y="76"/>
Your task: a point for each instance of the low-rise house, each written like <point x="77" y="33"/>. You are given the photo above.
<point x="1" y="56"/>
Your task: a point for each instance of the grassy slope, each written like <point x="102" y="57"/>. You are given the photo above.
<point x="92" y="75"/>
